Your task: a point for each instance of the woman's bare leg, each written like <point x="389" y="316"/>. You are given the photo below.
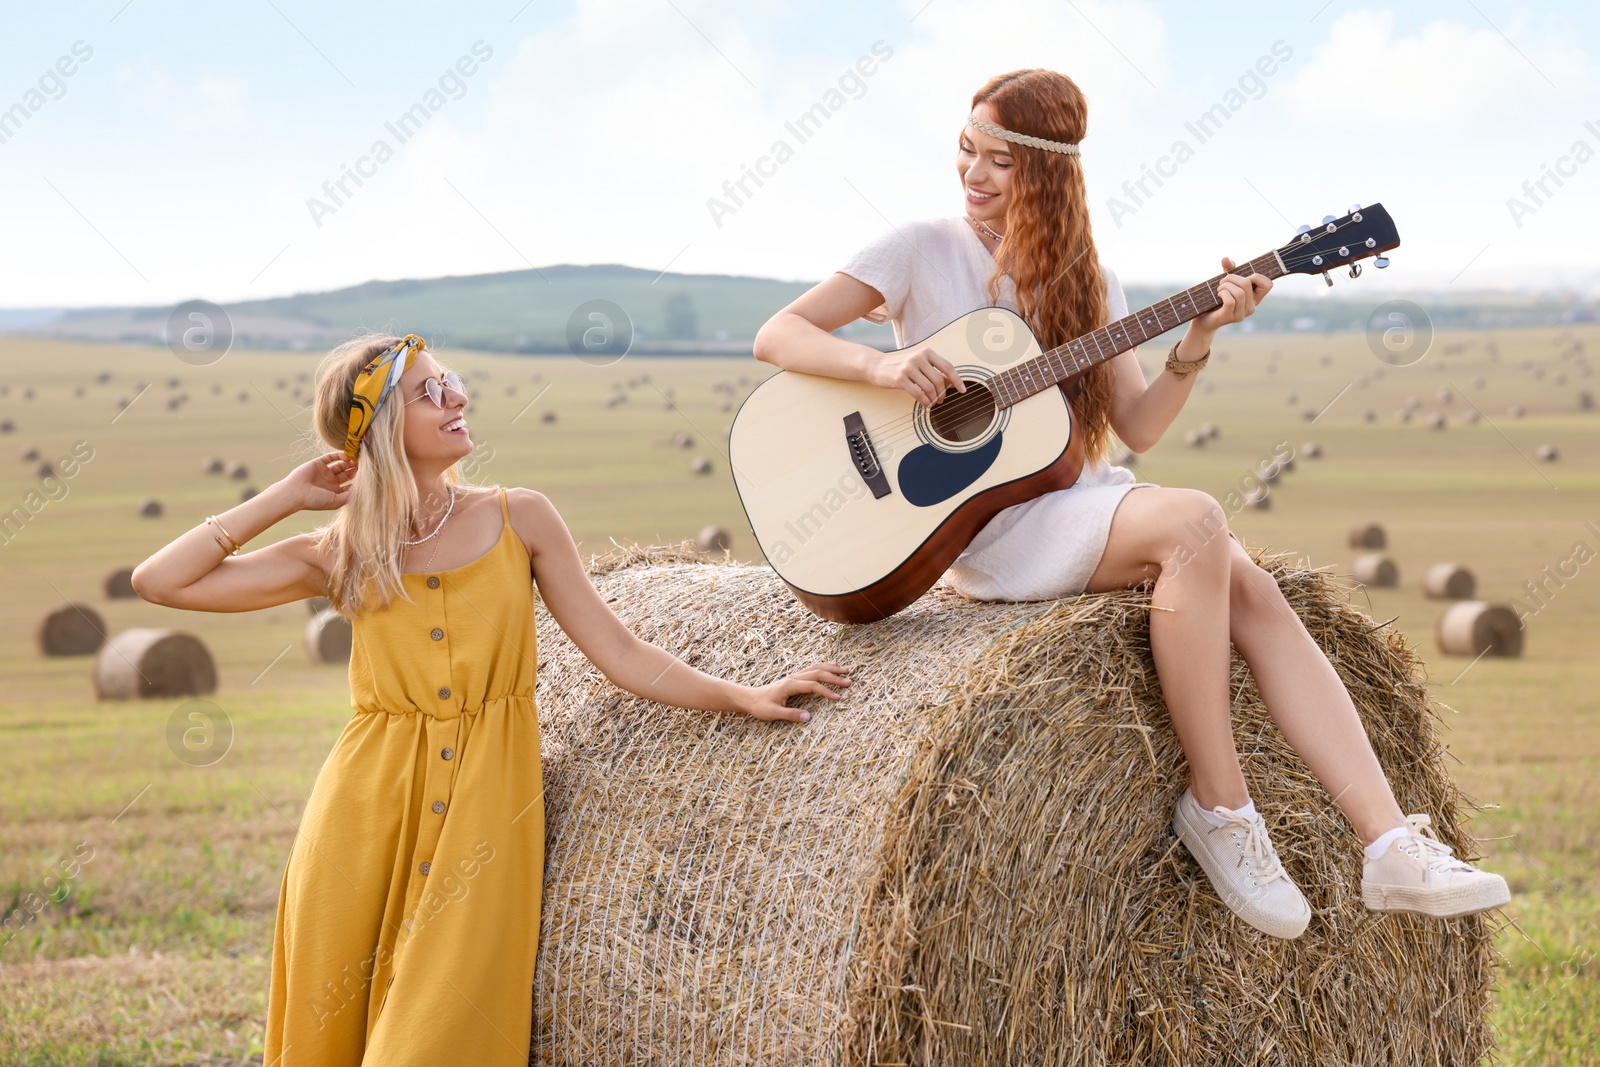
<point x="1154" y="534"/>
<point x="1307" y="699"/>
<point x="1208" y="593"/>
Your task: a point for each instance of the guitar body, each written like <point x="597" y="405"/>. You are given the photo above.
<point x="860" y="498"/>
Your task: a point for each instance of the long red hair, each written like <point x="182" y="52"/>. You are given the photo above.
<point x="1048" y="249"/>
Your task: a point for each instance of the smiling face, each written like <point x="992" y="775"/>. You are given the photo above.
<point x="984" y="164"/>
<point x="428" y="441"/>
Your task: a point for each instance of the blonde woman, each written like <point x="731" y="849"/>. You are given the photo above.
<point x="408" y="916"/>
<point x="1023" y="242"/>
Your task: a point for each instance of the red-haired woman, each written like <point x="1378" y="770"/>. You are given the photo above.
<point x="1024" y="243"/>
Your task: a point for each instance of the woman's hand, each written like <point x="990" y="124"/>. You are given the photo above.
<point x="1239" y="296"/>
<point x="322" y="484"/>
<point x="772" y="701"/>
<point x="922" y="372"/>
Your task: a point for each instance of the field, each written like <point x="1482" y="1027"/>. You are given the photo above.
<point x="155" y="881"/>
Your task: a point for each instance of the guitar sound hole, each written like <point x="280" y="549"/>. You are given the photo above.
<point x="961" y="417"/>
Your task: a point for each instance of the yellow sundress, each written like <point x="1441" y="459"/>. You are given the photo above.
<point x="408" y="917"/>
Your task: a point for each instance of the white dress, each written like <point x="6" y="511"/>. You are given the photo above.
<point x="935" y="270"/>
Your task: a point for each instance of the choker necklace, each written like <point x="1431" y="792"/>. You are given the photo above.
<point x="436" y="530"/>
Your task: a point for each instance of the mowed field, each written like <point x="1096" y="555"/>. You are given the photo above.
<point x="151" y="884"/>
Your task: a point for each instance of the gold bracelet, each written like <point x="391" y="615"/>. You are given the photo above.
<point x="212" y="519"/>
<point x="1182" y="368"/>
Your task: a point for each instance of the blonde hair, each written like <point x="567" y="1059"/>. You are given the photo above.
<point x="362" y="540"/>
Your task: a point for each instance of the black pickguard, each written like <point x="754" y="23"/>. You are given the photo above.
<point x="930" y="476"/>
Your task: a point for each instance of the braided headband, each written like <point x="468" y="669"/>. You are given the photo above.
<point x="373" y="386"/>
<point x="1021" y="138"/>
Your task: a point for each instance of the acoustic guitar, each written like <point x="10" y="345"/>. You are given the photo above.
<point x="861" y="498"/>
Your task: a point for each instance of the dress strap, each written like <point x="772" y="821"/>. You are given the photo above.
<point x="503" y="512"/>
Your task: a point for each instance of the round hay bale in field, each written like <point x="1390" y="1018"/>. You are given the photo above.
<point x="1257" y="501"/>
<point x="1210" y="430"/>
<point x="119" y="585"/>
<point x="238" y="471"/>
<point x="1470" y="415"/>
<point x="212" y="465"/>
<point x="1311" y="450"/>
<point x="1448" y="581"/>
<point x="713" y="539"/>
<point x="329" y="637"/>
<point x="317" y="603"/>
<point x="1370" y="535"/>
<point x="683" y="439"/>
<point x="30" y="453"/>
<point x="970" y="858"/>
<point x="1195" y="439"/>
<point x="153" y="662"/>
<point x="1369" y="416"/>
<point x="699" y="465"/>
<point x="1516" y="411"/>
<point x="1474" y="628"/>
<point x="1547" y="453"/>
<point x="1436" y="420"/>
<point x="1374" y="568"/>
<point x="70" y="630"/>
<point x="1585" y="401"/>
<point x="247" y="492"/>
<point x="45" y="470"/>
<point x="149" y="508"/>
<point x="548" y="416"/>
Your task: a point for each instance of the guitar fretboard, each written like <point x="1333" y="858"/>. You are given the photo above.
<point x="1078" y="355"/>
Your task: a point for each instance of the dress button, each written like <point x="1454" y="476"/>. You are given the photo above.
<point x="426" y="867"/>
<point x="437" y="634"/>
<point x="438" y="807"/>
<point x="447" y="753"/>
<point x="433" y="583"/>
<point x="444" y="692"/>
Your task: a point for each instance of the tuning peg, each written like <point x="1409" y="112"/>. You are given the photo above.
<point x="1327" y="279"/>
<point x="1354" y="208"/>
<point x="1381" y="262"/>
<point x="1327" y="219"/>
<point x="1355" y="270"/>
<point x="1303" y="229"/>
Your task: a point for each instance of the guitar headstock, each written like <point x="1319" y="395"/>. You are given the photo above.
<point x="1362" y="233"/>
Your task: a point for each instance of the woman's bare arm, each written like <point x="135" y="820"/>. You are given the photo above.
<point x="628" y="661"/>
<point x="1141" y="413"/>
<point x="800" y="338"/>
<point x="194" y="572"/>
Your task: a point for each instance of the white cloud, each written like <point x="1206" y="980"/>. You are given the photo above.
<point x="208" y="103"/>
<point x="1450" y="74"/>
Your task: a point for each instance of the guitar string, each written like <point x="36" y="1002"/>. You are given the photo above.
<point x="957" y="408"/>
<point x="963" y="407"/>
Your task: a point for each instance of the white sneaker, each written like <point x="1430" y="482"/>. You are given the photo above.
<point x="1243" y="867"/>
<point x="1419" y="873"/>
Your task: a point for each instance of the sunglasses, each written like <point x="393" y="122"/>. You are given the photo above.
<point x="434" y="391"/>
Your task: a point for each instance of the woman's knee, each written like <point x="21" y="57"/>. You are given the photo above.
<point x="1250" y="586"/>
<point x="1194" y="529"/>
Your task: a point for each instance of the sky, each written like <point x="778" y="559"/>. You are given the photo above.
<point x="154" y="151"/>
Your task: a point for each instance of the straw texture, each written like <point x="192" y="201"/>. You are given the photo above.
<point x="969" y="860"/>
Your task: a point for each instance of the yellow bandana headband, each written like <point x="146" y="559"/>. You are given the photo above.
<point x="373" y="386"/>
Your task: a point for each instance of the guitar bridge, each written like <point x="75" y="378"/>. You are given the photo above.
<point x="862" y="455"/>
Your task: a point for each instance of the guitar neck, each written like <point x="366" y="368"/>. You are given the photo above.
<point x="1082" y="353"/>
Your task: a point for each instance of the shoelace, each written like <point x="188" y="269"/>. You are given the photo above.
<point x="1437" y="855"/>
<point x="1256" y="847"/>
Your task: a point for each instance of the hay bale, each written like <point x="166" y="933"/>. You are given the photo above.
<point x="1374" y="568"/>
<point x="1311" y="450"/>
<point x="317" y="603"/>
<point x="329" y="637"/>
<point x="548" y="416"/>
<point x="683" y="439"/>
<point x="1448" y="581"/>
<point x="45" y="470"/>
<point x="1210" y="430"/>
<point x="969" y="859"/>
<point x="1369" y="416"/>
<point x="153" y="662"/>
<point x="1475" y="628"/>
<point x="1258" y="500"/>
<point x="1547" y="453"/>
<point x="713" y="539"/>
<point x="212" y="465"/>
<point x="247" y="492"/>
<point x="7" y="426"/>
<point x="699" y="465"/>
<point x="1586" y="401"/>
<point x="238" y="471"/>
<point x="1470" y="415"/>
<point x="30" y="453"/>
<point x="119" y="585"/>
<point x="1436" y="420"/>
<point x="149" y="508"/>
<point x="1195" y="439"/>
<point x="1369" y="536"/>
<point x="1516" y="411"/>
<point x="70" y="630"/>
